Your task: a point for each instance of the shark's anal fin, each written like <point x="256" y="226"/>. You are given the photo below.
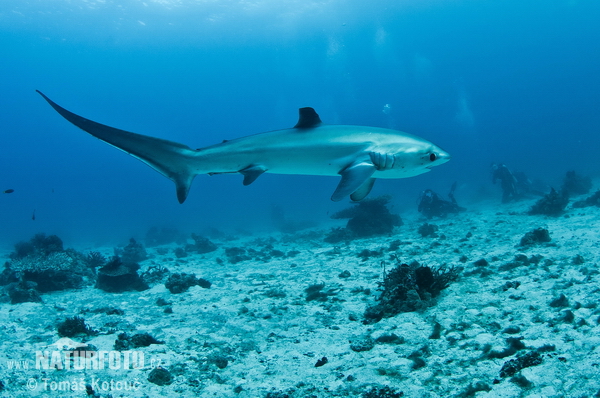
<point x="308" y="118"/>
<point x="251" y="173"/>
<point x="169" y="158"/>
<point x="353" y="179"/>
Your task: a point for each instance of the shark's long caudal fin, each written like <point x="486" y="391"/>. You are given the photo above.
<point x="169" y="158"/>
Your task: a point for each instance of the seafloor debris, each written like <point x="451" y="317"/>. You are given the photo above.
<point x="181" y="282"/>
<point x="23" y="292"/>
<point x="370" y="217"/>
<point x="559" y="302"/>
<point x="552" y="204"/>
<point x="134" y="252"/>
<point x="264" y="254"/>
<point x="201" y="245"/>
<point x="382" y="392"/>
<point x="593" y="200"/>
<point x="527" y="360"/>
<point x="409" y="288"/>
<point x="126" y="342"/>
<point x="74" y="326"/>
<point x="362" y="343"/>
<point x="117" y="277"/>
<point x="533" y="237"/>
<point x="521" y="260"/>
<point x="317" y="292"/>
<point x="160" y="376"/>
<point x="321" y="362"/>
<point x="155" y="274"/>
<point x="426" y="230"/>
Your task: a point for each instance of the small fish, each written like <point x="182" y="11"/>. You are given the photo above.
<point x="33" y="216"/>
<point x="9" y="191"/>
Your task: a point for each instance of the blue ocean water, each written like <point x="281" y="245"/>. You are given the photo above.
<point x="489" y="81"/>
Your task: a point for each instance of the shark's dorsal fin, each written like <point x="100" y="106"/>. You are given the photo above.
<point x="308" y="118"/>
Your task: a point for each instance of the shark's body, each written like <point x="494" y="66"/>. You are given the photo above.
<point x="359" y="154"/>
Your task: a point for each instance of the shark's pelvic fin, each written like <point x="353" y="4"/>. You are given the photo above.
<point x="169" y="158"/>
<point x="353" y="179"/>
<point x="363" y="191"/>
<point x="251" y="173"/>
<point x="308" y="118"/>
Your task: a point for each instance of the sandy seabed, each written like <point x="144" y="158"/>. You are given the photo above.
<point x="254" y="334"/>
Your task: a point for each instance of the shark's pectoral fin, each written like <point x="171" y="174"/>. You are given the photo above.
<point x="363" y="191"/>
<point x="169" y="158"/>
<point x="353" y="179"/>
<point x="251" y="173"/>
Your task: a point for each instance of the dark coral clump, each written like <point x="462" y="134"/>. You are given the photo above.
<point x="126" y="342"/>
<point x="527" y="360"/>
<point x="317" y="292"/>
<point x="39" y="245"/>
<point x="74" y="326"/>
<point x="552" y="204"/>
<point x="117" y="277"/>
<point x="473" y="388"/>
<point x="370" y="217"/>
<point x="426" y="230"/>
<point x="155" y="274"/>
<point x="134" y="252"/>
<point x="538" y="235"/>
<point x="520" y="260"/>
<point x="362" y="343"/>
<point x="24" y="292"/>
<point x="236" y="255"/>
<point x="338" y="234"/>
<point x="180" y="283"/>
<point x="366" y="254"/>
<point x="95" y="260"/>
<point x="43" y="262"/>
<point x="559" y="302"/>
<point x="575" y="184"/>
<point x="8" y="275"/>
<point x="160" y="376"/>
<point x="382" y="392"/>
<point x="53" y="279"/>
<point x="409" y="288"/>
<point x="264" y="253"/>
<point x="593" y="200"/>
<point x="201" y="245"/>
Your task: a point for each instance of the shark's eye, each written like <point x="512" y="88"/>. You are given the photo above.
<point x="432" y="156"/>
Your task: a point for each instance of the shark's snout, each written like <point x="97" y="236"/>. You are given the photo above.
<point x="438" y="157"/>
<point x="442" y="157"/>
